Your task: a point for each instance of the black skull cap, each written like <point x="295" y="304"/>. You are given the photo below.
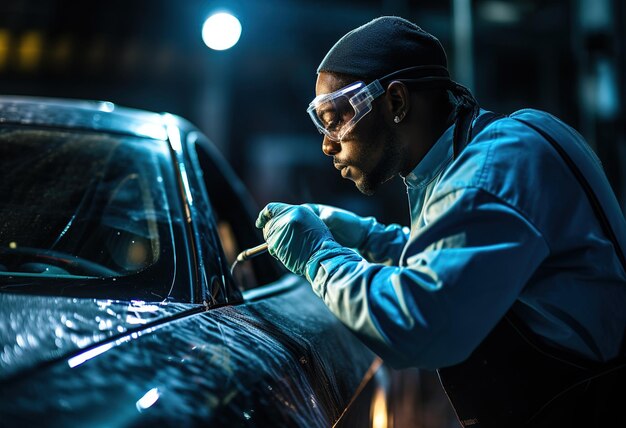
<point x="382" y="46"/>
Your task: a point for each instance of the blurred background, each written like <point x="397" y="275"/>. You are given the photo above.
<point x="564" y="56"/>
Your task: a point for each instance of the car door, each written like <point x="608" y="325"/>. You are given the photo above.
<point x="339" y="370"/>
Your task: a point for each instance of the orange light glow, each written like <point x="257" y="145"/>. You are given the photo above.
<point x="29" y="51"/>
<point x="379" y="409"/>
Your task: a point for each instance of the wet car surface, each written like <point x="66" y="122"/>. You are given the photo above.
<point x="117" y="304"/>
<point x="233" y="366"/>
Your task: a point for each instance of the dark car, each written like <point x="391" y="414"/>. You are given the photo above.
<point x="118" y="228"/>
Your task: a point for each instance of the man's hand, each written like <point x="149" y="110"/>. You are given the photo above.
<point x="347" y="228"/>
<point x="293" y="234"/>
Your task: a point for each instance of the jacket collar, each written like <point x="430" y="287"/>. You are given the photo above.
<point x="430" y="166"/>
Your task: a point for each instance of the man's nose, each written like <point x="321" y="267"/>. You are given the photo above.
<point x="330" y="147"/>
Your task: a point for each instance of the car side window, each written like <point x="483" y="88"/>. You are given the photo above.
<point x="235" y="213"/>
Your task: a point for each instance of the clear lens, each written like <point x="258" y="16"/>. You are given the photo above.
<point x="335" y="114"/>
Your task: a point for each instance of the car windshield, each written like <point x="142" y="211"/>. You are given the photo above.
<point x="84" y="205"/>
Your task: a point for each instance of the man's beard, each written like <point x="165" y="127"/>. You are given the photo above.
<point x="385" y="170"/>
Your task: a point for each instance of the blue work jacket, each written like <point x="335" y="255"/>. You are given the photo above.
<point x="504" y="226"/>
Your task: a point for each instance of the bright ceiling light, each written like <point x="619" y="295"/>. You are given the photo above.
<point x="221" y="31"/>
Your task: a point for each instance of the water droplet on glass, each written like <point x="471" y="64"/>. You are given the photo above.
<point x="20" y="340"/>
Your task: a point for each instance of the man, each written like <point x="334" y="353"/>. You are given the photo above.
<point x="511" y="279"/>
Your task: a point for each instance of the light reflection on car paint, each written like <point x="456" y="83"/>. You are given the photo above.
<point x="87" y="355"/>
<point x="229" y="366"/>
<point x="148" y="399"/>
<point x="64" y="325"/>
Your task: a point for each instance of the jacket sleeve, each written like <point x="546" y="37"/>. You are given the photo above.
<point x="463" y="271"/>
<point x="384" y="244"/>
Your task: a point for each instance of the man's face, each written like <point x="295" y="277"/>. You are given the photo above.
<point x="367" y="154"/>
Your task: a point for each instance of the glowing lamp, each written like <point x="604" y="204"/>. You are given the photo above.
<point x="221" y="31"/>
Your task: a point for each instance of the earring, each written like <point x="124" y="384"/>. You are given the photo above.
<point x="397" y="119"/>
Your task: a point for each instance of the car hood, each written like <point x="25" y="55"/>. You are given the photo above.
<point x="279" y="360"/>
<point x="38" y="329"/>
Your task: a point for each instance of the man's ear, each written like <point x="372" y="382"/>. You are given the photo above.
<point x="398" y="100"/>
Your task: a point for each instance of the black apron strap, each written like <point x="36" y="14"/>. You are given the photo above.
<point x="464" y="137"/>
<point x="593" y="199"/>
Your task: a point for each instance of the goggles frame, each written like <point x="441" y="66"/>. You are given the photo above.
<point x="361" y="101"/>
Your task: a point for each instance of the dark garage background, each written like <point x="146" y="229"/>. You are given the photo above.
<point x="566" y="57"/>
<point x="563" y="56"/>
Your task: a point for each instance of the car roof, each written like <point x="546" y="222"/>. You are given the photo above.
<point x="83" y="114"/>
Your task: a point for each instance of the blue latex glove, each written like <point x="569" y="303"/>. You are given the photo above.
<point x="349" y="229"/>
<point x="293" y="234"/>
<point x="375" y="241"/>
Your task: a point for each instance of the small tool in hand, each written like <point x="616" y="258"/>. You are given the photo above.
<point x="248" y="254"/>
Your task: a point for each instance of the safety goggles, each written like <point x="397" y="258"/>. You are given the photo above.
<point x="335" y="114"/>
